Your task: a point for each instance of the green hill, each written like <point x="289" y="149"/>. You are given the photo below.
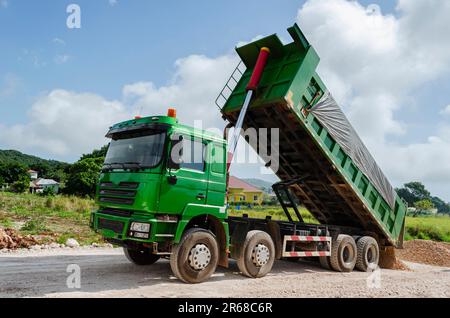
<point x="260" y="184"/>
<point x="12" y="156"/>
<point x="52" y="169"/>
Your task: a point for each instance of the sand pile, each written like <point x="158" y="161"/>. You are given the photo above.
<point x="11" y="240"/>
<point x="426" y="252"/>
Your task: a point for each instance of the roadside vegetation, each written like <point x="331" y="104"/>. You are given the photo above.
<point x="49" y="218"/>
<point x="57" y="218"/>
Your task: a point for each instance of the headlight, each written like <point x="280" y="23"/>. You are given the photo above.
<point x="140" y="227"/>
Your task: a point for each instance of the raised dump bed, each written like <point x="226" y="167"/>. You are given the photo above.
<point x="337" y="179"/>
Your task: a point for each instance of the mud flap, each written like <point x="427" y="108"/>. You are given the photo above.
<point x="273" y="228"/>
<point x="238" y="239"/>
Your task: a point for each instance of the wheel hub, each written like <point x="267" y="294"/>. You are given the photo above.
<point x="199" y="257"/>
<point x="260" y="255"/>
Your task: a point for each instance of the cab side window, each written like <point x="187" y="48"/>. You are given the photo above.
<point x="193" y="155"/>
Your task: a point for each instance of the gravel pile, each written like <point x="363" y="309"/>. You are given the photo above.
<point x="426" y="252"/>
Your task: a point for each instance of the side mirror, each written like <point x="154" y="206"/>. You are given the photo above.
<point x="176" y="152"/>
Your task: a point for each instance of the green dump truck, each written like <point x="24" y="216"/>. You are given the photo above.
<point x="157" y="202"/>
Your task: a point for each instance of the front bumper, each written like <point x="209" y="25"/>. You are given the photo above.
<point x="118" y="228"/>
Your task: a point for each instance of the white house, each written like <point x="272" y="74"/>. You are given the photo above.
<point x="33" y="174"/>
<point x="39" y="185"/>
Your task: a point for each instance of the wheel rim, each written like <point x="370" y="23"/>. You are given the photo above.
<point x="199" y="257"/>
<point x="370" y="255"/>
<point x="347" y="254"/>
<point x="260" y="255"/>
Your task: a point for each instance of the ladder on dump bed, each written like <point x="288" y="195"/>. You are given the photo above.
<point x="231" y="84"/>
<point x="308" y="240"/>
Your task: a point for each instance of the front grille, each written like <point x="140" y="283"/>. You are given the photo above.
<point x="115" y="226"/>
<point x="122" y="193"/>
<point x="106" y="184"/>
<point x="117" y="200"/>
<point x="129" y="193"/>
<point x="129" y="185"/>
<point x="116" y="212"/>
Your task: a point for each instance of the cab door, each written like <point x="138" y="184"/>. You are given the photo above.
<point x="189" y="183"/>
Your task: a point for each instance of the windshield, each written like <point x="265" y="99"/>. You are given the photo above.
<point x="144" y="149"/>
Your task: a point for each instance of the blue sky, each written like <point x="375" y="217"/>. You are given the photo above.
<point x="130" y="41"/>
<point x="126" y="54"/>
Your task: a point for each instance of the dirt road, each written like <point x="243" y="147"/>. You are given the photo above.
<point x="105" y="272"/>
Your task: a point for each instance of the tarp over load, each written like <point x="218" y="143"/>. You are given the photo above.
<point x="333" y="119"/>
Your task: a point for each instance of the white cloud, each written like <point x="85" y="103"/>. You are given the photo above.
<point x="59" y="41"/>
<point x="446" y="110"/>
<point x="372" y="63"/>
<point x="113" y="2"/>
<point x="64" y="123"/>
<point x="61" y="58"/>
<point x="4" y="3"/>
<point x="192" y="90"/>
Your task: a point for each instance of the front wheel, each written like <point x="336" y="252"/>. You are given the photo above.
<point x="195" y="258"/>
<point x="140" y="257"/>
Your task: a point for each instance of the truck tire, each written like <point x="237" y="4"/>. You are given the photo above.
<point x="195" y="258"/>
<point x="368" y="254"/>
<point x="257" y="255"/>
<point x="140" y="257"/>
<point x="343" y="254"/>
<point x="325" y="262"/>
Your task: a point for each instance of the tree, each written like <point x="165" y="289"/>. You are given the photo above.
<point x="22" y="185"/>
<point x="97" y="153"/>
<point x="440" y="205"/>
<point x="413" y="192"/>
<point x="13" y="172"/>
<point x="423" y="206"/>
<point x="83" y="177"/>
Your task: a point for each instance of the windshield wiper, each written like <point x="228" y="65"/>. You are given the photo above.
<point x="137" y="164"/>
<point x="110" y="165"/>
<point x="122" y="164"/>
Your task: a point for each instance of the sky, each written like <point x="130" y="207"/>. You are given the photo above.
<point x="387" y="63"/>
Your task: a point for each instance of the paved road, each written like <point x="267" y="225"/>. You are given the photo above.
<point x="107" y="273"/>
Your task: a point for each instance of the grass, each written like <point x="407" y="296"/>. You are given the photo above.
<point x="54" y="218"/>
<point x="436" y="228"/>
<point x="61" y="217"/>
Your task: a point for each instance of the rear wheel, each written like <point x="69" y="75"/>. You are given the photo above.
<point x="141" y="257"/>
<point x="195" y="258"/>
<point x="325" y="262"/>
<point x="343" y="254"/>
<point x="368" y="254"/>
<point x="257" y="255"/>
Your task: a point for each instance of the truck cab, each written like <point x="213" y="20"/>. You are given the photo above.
<point x="159" y="180"/>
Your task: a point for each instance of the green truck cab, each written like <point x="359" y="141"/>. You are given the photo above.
<point x="162" y="189"/>
<point x="147" y="200"/>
